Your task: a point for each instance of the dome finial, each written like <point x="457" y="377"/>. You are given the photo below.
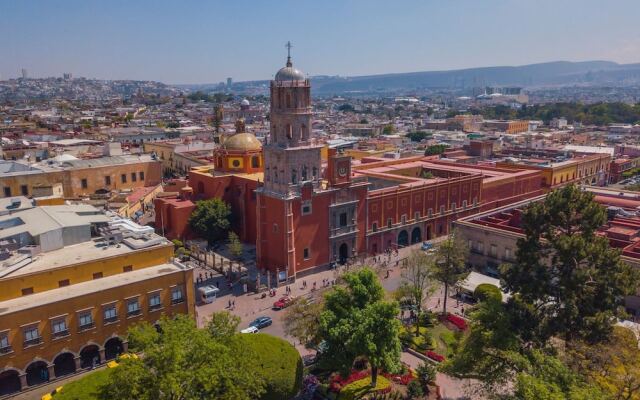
<point x="289" y="46"/>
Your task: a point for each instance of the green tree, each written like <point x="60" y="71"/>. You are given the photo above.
<point x="302" y="320"/>
<point x="235" y="245"/>
<point x="486" y="290"/>
<point x="613" y="365"/>
<point x="183" y="362"/>
<point x="449" y="267"/>
<point x="426" y="373"/>
<point x="211" y="219"/>
<point x="358" y="322"/>
<point x="435" y="149"/>
<point x="223" y="325"/>
<point x="388" y="129"/>
<point x="417" y="282"/>
<point x="570" y="278"/>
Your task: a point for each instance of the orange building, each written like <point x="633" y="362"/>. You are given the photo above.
<point x="72" y="281"/>
<point x="233" y="177"/>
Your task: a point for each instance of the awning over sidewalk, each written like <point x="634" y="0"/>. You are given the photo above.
<point x="476" y="279"/>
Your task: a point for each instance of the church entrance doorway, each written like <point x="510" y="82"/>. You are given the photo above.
<point x="343" y="253"/>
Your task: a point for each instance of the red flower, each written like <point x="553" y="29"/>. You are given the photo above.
<point x="459" y="322"/>
<point x="434" y="356"/>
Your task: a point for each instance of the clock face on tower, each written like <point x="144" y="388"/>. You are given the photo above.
<point x="342" y="171"/>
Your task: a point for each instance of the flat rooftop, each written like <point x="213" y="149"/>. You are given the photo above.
<point x="88" y="287"/>
<point x="76" y="254"/>
<point x="622" y="227"/>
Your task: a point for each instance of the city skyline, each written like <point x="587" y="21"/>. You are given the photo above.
<point x="196" y="42"/>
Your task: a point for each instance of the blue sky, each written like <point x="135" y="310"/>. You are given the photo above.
<point x="190" y="41"/>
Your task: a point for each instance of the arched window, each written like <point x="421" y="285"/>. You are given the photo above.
<point x="314" y="172"/>
<point x="294" y="177"/>
<point x="289" y="132"/>
<point x="267" y="175"/>
<point x="255" y="161"/>
<point x="304" y="173"/>
<point x="275" y="176"/>
<point x="303" y="132"/>
<point x="288" y="100"/>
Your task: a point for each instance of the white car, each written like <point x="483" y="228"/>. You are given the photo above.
<point x="251" y="329"/>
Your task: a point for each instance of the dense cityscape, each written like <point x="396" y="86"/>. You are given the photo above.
<point x="461" y="234"/>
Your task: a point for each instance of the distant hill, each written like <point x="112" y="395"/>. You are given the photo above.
<point x="557" y="73"/>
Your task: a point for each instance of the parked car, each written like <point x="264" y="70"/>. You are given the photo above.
<point x="283" y="302"/>
<point x="428" y="247"/>
<point x="261" y="322"/>
<point x="251" y="329"/>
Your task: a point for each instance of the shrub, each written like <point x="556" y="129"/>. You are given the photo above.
<point x="486" y="291"/>
<point x="414" y="390"/>
<point x="359" y="388"/>
<point x="279" y="364"/>
<point x="426" y="374"/>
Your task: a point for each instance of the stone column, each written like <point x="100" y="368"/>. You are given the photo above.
<point x="23" y="381"/>
<point x="101" y="353"/>
<point x="125" y="346"/>
<point x="52" y="372"/>
<point x="77" y="360"/>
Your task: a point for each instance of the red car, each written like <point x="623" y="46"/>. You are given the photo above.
<point x="282" y="303"/>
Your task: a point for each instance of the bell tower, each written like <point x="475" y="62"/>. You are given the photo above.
<point x="292" y="156"/>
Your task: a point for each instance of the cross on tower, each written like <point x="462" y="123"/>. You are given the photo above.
<point x="288" y="46"/>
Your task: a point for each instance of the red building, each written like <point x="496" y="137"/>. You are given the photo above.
<point x="304" y="214"/>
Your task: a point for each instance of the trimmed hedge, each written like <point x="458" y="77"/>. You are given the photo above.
<point x="486" y="291"/>
<point x="278" y="362"/>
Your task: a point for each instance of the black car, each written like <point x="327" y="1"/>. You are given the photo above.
<point x="261" y="322"/>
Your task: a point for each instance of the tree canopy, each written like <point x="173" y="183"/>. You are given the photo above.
<point x="450" y="266"/>
<point x="417" y="281"/>
<point x="435" y="149"/>
<point x="183" y="362"/>
<point x="211" y="219"/>
<point x="591" y="114"/>
<point x="569" y="277"/>
<point x="358" y="322"/>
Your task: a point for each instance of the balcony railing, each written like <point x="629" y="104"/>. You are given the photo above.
<point x="6" y="350"/>
<point x="154" y="307"/>
<point x="133" y="313"/>
<point x="177" y="301"/>
<point x="59" y="334"/>
<point x="110" y="319"/>
<point x="32" y="342"/>
<point x="86" y="326"/>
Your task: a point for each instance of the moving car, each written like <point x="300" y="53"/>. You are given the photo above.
<point x="261" y="322"/>
<point x="251" y="329"/>
<point x="283" y="302"/>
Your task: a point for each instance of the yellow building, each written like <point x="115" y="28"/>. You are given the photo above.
<point x="72" y="281"/>
<point x="588" y="169"/>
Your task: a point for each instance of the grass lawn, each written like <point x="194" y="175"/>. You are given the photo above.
<point x="85" y="388"/>
<point x="355" y="390"/>
<point x="445" y="340"/>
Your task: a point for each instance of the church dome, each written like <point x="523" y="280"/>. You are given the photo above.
<point x="289" y="73"/>
<point x="244" y="102"/>
<point x="242" y="142"/>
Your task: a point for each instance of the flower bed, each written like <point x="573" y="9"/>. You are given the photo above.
<point x="362" y="387"/>
<point x="434" y="356"/>
<point x="337" y="382"/>
<point x="457" y="321"/>
<point x="403" y="379"/>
